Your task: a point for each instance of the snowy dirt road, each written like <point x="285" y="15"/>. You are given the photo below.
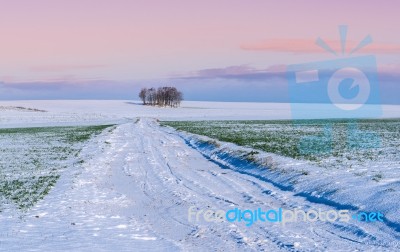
<point x="135" y="188"/>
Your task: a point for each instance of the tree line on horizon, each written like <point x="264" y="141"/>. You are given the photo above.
<point x="163" y="96"/>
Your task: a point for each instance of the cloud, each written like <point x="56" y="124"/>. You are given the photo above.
<point x="246" y="83"/>
<point x="235" y="72"/>
<point x="309" y="46"/>
<point x="227" y="71"/>
<point x="62" y="68"/>
<point x="233" y="83"/>
<point x="95" y="89"/>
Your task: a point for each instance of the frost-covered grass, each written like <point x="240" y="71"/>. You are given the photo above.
<point x="327" y="143"/>
<point x="32" y="160"/>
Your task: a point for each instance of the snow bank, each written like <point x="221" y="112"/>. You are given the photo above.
<point x="336" y="188"/>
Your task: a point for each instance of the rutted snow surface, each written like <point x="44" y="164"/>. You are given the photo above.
<point x="133" y="193"/>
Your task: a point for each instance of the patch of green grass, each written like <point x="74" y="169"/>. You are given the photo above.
<point x="32" y="160"/>
<point x="82" y="134"/>
<point x="26" y="192"/>
<point x="329" y="143"/>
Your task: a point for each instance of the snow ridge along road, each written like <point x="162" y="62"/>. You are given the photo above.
<point x="133" y="193"/>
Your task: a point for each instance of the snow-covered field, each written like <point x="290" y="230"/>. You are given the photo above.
<point x="82" y="112"/>
<point x="131" y="187"/>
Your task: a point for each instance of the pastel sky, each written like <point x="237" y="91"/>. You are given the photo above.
<point x="108" y="49"/>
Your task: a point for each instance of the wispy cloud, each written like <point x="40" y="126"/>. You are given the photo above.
<point x="234" y="72"/>
<point x="309" y="46"/>
<point x="232" y="83"/>
<point x="95" y="89"/>
<point x="63" y="68"/>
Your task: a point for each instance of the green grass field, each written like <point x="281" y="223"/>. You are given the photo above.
<point x="32" y="160"/>
<point x="328" y="143"/>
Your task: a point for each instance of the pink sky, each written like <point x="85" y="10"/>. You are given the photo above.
<point x="131" y="39"/>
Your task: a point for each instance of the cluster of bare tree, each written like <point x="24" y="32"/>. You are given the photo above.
<point x="163" y="96"/>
